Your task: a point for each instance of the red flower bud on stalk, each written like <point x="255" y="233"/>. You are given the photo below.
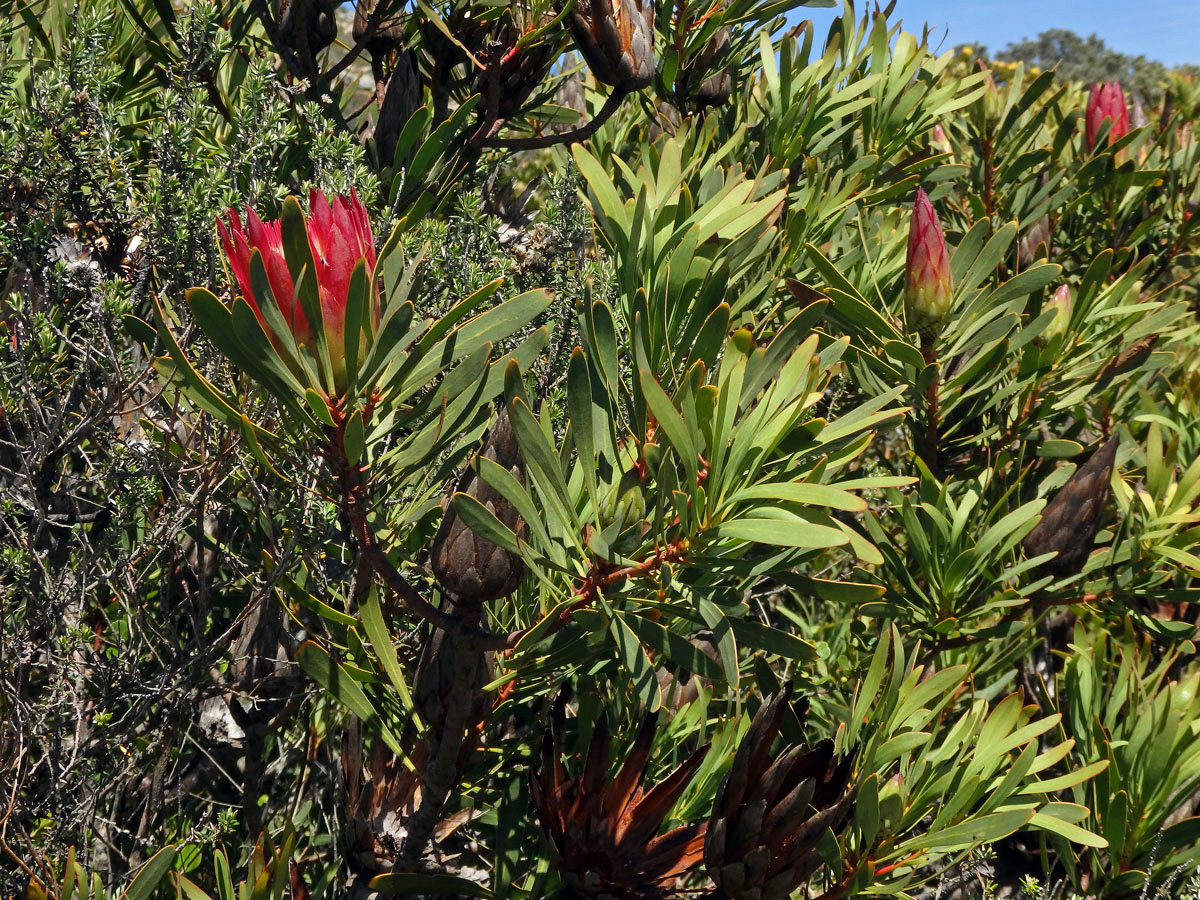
<point x="927" y="282"/>
<point x="339" y="235"/>
<point x="1106" y="101"/>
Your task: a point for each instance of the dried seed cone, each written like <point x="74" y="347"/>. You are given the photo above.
<point x="1070" y="521"/>
<point x="715" y="89"/>
<point x="521" y="70"/>
<point x="604" y="834"/>
<point x="616" y="37"/>
<point x="470" y="568"/>
<point x="770" y="813"/>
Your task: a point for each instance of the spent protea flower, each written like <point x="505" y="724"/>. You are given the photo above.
<point x="927" y="282"/>
<point x="772" y="811"/>
<point x="1070" y="521"/>
<point x="339" y="236"/>
<point x="604" y="833"/>
<point x="1106" y="101"/>
<point x="616" y="37"/>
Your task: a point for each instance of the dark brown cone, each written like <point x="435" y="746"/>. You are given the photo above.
<point x="518" y="72"/>
<point x="604" y="834"/>
<point x="1070" y="521"/>
<point x="307" y="27"/>
<point x="712" y="90"/>
<point x="470" y="568"/>
<point x="770" y="813"/>
<point x="571" y="95"/>
<point x="616" y="37"/>
<point x="438" y="672"/>
<point x="389" y="28"/>
<point x="401" y="98"/>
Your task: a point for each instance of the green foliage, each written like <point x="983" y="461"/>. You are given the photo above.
<point x="643" y="373"/>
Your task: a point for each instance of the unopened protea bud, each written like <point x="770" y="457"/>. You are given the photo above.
<point x="771" y="812"/>
<point x="1070" y="521"/>
<point x="471" y="568"/>
<point x="1032" y="242"/>
<point x="1060" y="302"/>
<point x="1106" y="101"/>
<point x="927" y="282"/>
<point x="616" y="37"/>
<point x="939" y="140"/>
<point x="624" y="502"/>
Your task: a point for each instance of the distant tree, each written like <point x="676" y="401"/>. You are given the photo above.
<point x="1087" y="59"/>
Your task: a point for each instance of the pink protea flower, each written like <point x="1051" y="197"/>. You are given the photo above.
<point x="339" y="235"/>
<point x="927" y="282"/>
<point x="1106" y="101"/>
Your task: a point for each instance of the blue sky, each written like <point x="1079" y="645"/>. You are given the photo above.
<point x="1157" y="29"/>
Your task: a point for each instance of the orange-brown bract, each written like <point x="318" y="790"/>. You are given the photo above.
<point x="604" y="834"/>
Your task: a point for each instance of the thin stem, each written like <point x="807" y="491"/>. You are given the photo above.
<point x="932" y="410"/>
<point x="581" y="133"/>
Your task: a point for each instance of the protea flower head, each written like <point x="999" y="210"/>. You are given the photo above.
<point x="604" y="834"/>
<point x="339" y="236"/>
<point x="1106" y="101"/>
<point x="469" y="567"/>
<point x="616" y="37"/>
<point x="1070" y="521"/>
<point x="771" y="811"/>
<point x="927" y="282"/>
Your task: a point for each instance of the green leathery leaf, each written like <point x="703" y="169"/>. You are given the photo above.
<point x="801" y="492"/>
<point x="672" y="423"/>
<point x="342" y="686"/>
<point x="772" y="640"/>
<point x="149" y="876"/>
<point x="385" y="651"/>
<point x="297" y="251"/>
<point x="580" y="409"/>
<point x="981" y="830"/>
<point x="355" y="437"/>
<point x="674" y="647"/>
<point x="721" y="628"/>
<point x="637" y="662"/>
<point x="1049" y="822"/>
<point x="357" y="321"/>
<point x="780" y="532"/>
<point x="483" y="522"/>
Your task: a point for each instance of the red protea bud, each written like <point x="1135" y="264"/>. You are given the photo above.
<point x="927" y="283"/>
<point x="603" y="832"/>
<point x="339" y="235"/>
<point x="1106" y="101"/>
<point x="471" y="568"/>
<point x="616" y="37"/>
<point x="1070" y="521"/>
<point x="771" y="812"/>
